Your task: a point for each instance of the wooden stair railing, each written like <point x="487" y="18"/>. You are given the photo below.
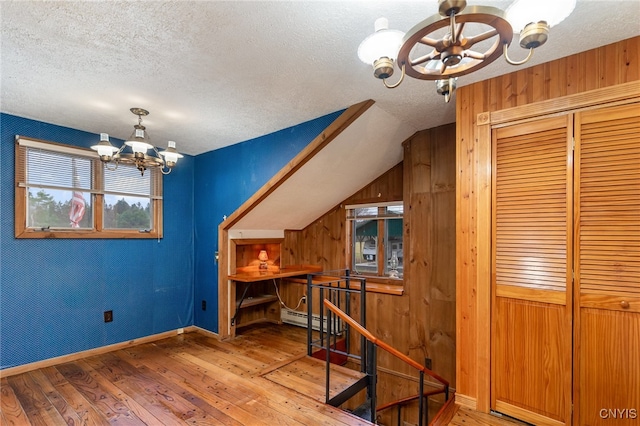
<point x="402" y="357"/>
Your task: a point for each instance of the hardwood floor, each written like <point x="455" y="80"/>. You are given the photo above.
<point x="467" y="417"/>
<point x="260" y="378"/>
<point x="190" y="379"/>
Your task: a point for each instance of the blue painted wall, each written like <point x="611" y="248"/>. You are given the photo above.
<point x="53" y="292"/>
<point x="225" y="179"/>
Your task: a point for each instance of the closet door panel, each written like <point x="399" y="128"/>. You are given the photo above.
<point x="531" y="275"/>
<point x="607" y="262"/>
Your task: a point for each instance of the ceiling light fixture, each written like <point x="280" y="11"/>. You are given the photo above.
<point x="139" y="144"/>
<point x="438" y="48"/>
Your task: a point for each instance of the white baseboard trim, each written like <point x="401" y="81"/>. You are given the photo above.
<point x="12" y="371"/>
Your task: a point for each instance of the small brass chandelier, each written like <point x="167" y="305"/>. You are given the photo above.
<point x="139" y="144"/>
<point x="439" y="49"/>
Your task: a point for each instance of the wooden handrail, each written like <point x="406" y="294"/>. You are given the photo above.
<point x="446" y="413"/>
<point x="393" y="351"/>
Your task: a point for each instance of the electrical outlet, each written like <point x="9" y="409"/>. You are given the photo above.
<point x="204" y="305"/>
<point x="108" y="316"/>
<point x="427" y="363"/>
<point x="304" y="299"/>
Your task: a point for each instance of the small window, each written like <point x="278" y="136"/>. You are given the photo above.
<point x="376" y="239"/>
<point x="66" y="191"/>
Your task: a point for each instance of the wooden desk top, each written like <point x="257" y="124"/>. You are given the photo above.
<point x="253" y="274"/>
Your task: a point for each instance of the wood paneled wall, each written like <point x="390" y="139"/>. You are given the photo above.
<point x="421" y="322"/>
<point x="598" y="68"/>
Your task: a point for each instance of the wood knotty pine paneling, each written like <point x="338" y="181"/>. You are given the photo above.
<point x="420" y="323"/>
<point x="603" y="67"/>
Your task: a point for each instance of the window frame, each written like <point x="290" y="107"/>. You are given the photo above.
<point x="96" y="194"/>
<point x="379" y="276"/>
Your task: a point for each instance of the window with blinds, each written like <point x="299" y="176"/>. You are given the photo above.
<point x="66" y="191"/>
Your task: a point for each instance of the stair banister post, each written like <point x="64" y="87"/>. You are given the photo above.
<point x="363" y="314"/>
<point x="372" y="372"/>
<point x="421" y="401"/>
<point x="348" y="307"/>
<point x="309" y="313"/>
<point x="328" y="354"/>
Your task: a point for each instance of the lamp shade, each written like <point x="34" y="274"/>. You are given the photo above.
<point x="104" y="148"/>
<point x="522" y="12"/>
<point x="170" y="154"/>
<point x="382" y="43"/>
<point x="138" y="141"/>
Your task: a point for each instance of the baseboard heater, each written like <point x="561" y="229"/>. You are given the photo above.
<point x="289" y="316"/>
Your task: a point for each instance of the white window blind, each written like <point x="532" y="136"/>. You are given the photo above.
<point x="48" y="167"/>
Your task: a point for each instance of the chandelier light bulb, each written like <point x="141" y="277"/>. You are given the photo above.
<point x="138" y="141"/>
<point x="383" y="43"/>
<point x="170" y="154"/>
<point x="138" y="147"/>
<point x="104" y="148"/>
<point x="523" y="12"/>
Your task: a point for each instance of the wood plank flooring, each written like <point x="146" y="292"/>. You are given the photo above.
<point x="467" y="417"/>
<point x="190" y="379"/>
<point x="260" y="378"/>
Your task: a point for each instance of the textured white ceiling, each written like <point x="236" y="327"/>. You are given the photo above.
<point x="217" y="73"/>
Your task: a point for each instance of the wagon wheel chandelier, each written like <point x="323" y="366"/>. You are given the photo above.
<point x="424" y="54"/>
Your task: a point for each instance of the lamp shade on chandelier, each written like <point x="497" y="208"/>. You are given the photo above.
<point x="141" y="152"/>
<point x="459" y="40"/>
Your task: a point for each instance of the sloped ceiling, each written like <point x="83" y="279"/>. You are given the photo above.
<point x="371" y="145"/>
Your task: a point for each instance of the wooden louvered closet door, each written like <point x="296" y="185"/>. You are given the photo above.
<point x="531" y="271"/>
<point x="607" y="258"/>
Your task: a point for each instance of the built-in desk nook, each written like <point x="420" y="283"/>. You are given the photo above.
<point x="255" y="275"/>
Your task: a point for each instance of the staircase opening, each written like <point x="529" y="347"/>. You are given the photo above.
<point x="341" y="339"/>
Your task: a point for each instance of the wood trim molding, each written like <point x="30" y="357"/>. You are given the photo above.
<point x="12" y="371"/>
<point x="466" y="401"/>
<point x="196" y="329"/>
<point x="329" y="134"/>
<point x="483" y="243"/>
<point x="532" y="294"/>
<point x="527" y="416"/>
<point x="622" y="93"/>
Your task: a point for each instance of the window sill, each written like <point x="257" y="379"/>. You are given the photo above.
<point x="392" y="289"/>
<point x="381" y="285"/>
<point x="59" y="234"/>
